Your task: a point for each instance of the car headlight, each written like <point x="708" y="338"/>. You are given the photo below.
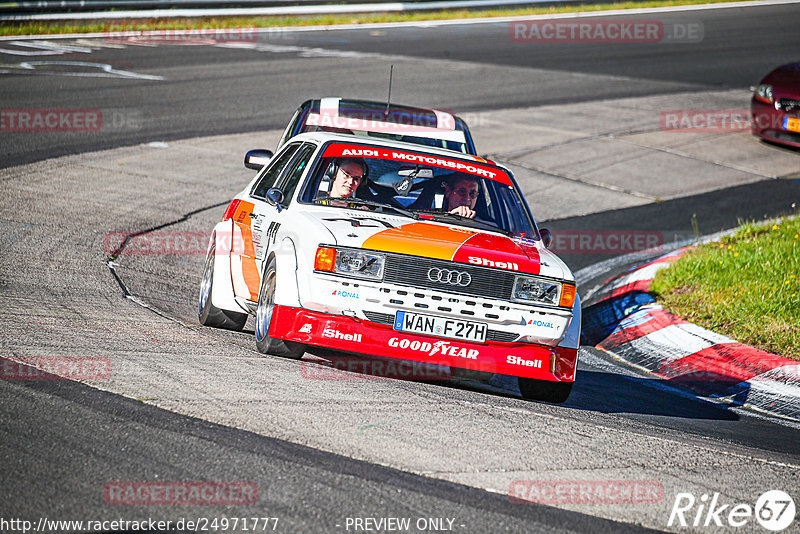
<point x="540" y="291"/>
<point x="349" y="262"/>
<point x="764" y="93"/>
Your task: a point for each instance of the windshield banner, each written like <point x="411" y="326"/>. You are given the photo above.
<point x="338" y="150"/>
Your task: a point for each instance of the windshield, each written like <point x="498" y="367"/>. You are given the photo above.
<point x="418" y="185"/>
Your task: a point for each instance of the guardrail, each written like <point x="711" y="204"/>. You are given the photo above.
<point x="110" y="9"/>
<point x="52" y="6"/>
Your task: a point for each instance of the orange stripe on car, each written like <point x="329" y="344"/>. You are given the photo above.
<point x="420" y="239"/>
<point x="251" y="277"/>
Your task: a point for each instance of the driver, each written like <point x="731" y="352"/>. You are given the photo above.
<point x="349" y="175"/>
<point x="461" y="195"/>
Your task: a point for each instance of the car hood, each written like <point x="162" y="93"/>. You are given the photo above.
<point x="388" y="233"/>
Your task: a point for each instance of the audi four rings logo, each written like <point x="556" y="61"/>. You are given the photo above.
<point x="445" y="276"/>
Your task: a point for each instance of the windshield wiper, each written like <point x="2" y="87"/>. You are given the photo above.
<point x="372" y="204"/>
<point x="476" y="222"/>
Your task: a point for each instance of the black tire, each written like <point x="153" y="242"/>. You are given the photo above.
<point x="544" y="390"/>
<point x="208" y="314"/>
<point x="264" y="343"/>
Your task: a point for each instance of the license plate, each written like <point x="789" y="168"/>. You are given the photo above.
<point x="791" y="124"/>
<point x="418" y="323"/>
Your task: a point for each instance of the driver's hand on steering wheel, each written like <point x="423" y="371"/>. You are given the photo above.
<point x="464" y="211"/>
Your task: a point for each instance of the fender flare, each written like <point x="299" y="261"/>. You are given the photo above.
<point x="572" y="339"/>
<point x="287" y="291"/>
<point x="222" y="295"/>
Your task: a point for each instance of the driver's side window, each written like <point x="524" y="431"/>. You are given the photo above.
<point x="298" y="168"/>
<point x="272" y="173"/>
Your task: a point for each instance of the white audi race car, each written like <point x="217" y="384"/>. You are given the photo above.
<point x="389" y="270"/>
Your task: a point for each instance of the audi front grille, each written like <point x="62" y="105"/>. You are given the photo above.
<point x="483" y="282"/>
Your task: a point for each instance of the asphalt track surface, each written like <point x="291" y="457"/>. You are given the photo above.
<point x="324" y="451"/>
<point x="213" y="90"/>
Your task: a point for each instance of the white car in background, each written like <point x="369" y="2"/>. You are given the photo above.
<point x="395" y="122"/>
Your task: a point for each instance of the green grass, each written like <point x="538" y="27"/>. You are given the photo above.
<point x="746" y="287"/>
<point x="92" y="26"/>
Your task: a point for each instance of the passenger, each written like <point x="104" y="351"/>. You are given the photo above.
<point x="461" y="195"/>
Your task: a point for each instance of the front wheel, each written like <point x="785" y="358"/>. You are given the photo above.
<point x="544" y="390"/>
<point x="208" y="314"/>
<point x="266" y="304"/>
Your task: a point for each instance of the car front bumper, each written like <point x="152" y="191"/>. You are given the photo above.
<point x="352" y="334"/>
<point x="768" y="123"/>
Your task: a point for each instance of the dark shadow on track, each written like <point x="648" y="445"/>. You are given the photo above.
<point x="595" y="391"/>
<point x="599" y="391"/>
<point x="785" y="148"/>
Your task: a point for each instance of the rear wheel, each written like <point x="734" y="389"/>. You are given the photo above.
<point x="266" y="304"/>
<point x="208" y="314"/>
<point x="544" y="390"/>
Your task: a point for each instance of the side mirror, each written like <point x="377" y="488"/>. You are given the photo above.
<point x="547" y="237"/>
<point x="275" y="197"/>
<point x="256" y="159"/>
